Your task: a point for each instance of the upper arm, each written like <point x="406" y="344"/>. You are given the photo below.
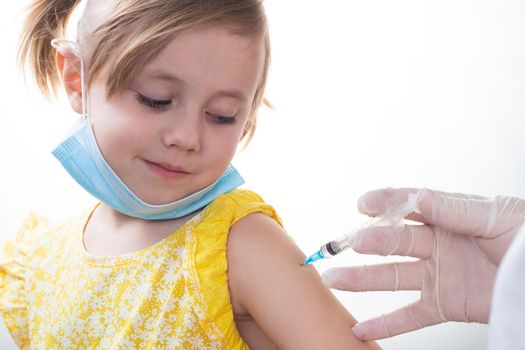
<point x="287" y="301"/>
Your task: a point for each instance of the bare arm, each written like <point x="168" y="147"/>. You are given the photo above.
<point x="288" y="302"/>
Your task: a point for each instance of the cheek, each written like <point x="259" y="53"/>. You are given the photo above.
<point x="117" y="135"/>
<point x="222" y="147"/>
<point x="113" y="143"/>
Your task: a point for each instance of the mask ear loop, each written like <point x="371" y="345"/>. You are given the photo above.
<point x="73" y="46"/>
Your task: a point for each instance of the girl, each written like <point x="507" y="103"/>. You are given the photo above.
<point x="173" y="256"/>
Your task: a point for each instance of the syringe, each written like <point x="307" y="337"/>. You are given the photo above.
<point x="393" y="217"/>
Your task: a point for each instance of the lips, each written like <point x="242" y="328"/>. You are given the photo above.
<point x="167" y="170"/>
<point x="170" y="167"/>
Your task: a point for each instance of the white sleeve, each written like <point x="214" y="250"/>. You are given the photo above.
<point x="507" y="318"/>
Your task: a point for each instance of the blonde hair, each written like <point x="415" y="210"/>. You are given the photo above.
<point x="134" y="32"/>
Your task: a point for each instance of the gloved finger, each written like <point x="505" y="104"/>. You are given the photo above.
<point x="373" y="203"/>
<point x="478" y="217"/>
<point x="415" y="240"/>
<point x="392" y="276"/>
<point x="407" y="319"/>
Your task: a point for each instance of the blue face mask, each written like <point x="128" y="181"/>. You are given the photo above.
<point x="80" y="156"/>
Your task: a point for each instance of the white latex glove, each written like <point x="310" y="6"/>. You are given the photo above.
<point x="459" y="248"/>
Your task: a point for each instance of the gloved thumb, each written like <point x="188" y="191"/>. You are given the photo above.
<point x="406" y="319"/>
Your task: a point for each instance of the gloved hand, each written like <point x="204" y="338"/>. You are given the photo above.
<point x="459" y="247"/>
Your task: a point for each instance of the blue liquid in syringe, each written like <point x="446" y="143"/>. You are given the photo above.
<point x="330" y="249"/>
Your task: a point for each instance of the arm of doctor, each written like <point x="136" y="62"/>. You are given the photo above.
<point x="275" y="299"/>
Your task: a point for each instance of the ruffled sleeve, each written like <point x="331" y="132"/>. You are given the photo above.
<point x="210" y="257"/>
<point x="14" y="261"/>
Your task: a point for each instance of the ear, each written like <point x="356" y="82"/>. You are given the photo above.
<point x="69" y="67"/>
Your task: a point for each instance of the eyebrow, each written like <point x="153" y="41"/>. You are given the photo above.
<point x="167" y="76"/>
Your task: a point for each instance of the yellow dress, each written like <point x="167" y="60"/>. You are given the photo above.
<point x="171" y="295"/>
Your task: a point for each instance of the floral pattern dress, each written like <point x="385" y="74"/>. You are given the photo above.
<point x="171" y="295"/>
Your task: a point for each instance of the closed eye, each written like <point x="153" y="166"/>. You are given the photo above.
<point x="221" y="119"/>
<point x="152" y="103"/>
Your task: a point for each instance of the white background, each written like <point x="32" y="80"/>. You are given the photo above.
<point x="367" y="94"/>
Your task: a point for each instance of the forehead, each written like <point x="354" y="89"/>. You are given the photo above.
<point x="211" y="57"/>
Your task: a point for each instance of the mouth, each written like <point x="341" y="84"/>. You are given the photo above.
<point x="167" y="170"/>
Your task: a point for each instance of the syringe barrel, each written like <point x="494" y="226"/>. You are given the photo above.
<point x="336" y="246"/>
<point x="393" y="217"/>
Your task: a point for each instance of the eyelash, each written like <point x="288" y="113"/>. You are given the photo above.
<point x="157" y="105"/>
<point x="152" y="103"/>
<point x="221" y="119"/>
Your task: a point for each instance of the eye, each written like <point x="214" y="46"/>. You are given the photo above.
<point x="221" y="119"/>
<point x="152" y="103"/>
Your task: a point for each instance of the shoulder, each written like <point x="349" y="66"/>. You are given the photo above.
<point x="256" y="229"/>
<point x="30" y="224"/>
<point x="31" y="228"/>
<point x="260" y="234"/>
<point x="235" y="205"/>
<point x="243" y="195"/>
<point x="257" y="232"/>
<point x="36" y="230"/>
<point x="235" y="219"/>
<point x="238" y="198"/>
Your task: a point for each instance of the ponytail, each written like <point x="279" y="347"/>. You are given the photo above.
<point x="46" y="20"/>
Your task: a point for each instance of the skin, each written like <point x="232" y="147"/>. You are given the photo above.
<point x="286" y="305"/>
<point x="313" y="317"/>
<point x="185" y="133"/>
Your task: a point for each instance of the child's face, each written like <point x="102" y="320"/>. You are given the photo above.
<point x="175" y="129"/>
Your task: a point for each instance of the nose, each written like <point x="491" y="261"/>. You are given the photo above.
<point x="183" y="132"/>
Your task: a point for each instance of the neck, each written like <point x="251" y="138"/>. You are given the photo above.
<point x="117" y="220"/>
